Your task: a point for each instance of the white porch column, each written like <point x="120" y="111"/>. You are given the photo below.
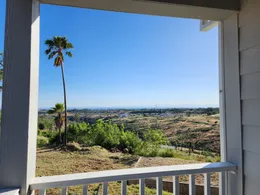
<point x="232" y="150"/>
<point x="20" y="95"/>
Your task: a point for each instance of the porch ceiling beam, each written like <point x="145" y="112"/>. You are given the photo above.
<point x="148" y="7"/>
<point x="219" y="4"/>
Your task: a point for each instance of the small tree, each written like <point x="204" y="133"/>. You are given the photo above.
<point x="76" y="117"/>
<point x="41" y="126"/>
<point x="156" y="137"/>
<point x="58" y="110"/>
<point x="77" y="132"/>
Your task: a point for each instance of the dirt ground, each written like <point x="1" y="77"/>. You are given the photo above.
<point x="56" y="162"/>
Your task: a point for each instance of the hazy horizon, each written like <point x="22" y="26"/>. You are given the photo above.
<point x="170" y="107"/>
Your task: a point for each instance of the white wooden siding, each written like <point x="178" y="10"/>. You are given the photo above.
<point x="251" y="112"/>
<point x="251" y="186"/>
<point x="251" y="139"/>
<point x="250" y="11"/>
<point x="250" y="60"/>
<point x="251" y="160"/>
<point x="249" y="36"/>
<point x="248" y="81"/>
<point x="250" y="92"/>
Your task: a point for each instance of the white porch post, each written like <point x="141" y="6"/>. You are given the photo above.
<point x="232" y="150"/>
<point x="20" y="95"/>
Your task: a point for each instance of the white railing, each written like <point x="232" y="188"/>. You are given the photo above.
<point x="64" y="181"/>
<point x="14" y="191"/>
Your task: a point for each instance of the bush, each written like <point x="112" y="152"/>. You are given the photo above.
<point x="41" y="126"/>
<point x="148" y="149"/>
<point x="77" y="132"/>
<point x="45" y="123"/>
<point x="42" y="141"/>
<point x="53" y="136"/>
<point x="166" y="152"/>
<point x="156" y="137"/>
<point x="110" y="136"/>
<point x="106" y="135"/>
<point x="153" y="140"/>
<point x="130" y="140"/>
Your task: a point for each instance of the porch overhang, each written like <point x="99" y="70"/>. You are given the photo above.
<point x="196" y="9"/>
<point x="219" y="4"/>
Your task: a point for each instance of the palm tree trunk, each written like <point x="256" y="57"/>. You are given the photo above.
<point x="65" y="105"/>
<point x="60" y="138"/>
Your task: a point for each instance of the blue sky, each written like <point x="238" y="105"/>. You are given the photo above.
<point x="127" y="60"/>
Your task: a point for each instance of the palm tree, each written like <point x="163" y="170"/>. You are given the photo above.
<point x="1" y="68"/>
<point x="57" y="46"/>
<point x="58" y="109"/>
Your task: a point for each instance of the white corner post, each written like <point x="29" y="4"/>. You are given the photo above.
<point x="20" y="95"/>
<point x="230" y="103"/>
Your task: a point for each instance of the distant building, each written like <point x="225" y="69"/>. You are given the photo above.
<point x="123" y="115"/>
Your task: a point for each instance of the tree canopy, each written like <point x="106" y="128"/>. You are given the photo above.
<point x="57" y="46"/>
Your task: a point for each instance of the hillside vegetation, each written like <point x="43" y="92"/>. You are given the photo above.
<point x="195" y="129"/>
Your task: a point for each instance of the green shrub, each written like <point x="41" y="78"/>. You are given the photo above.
<point x="46" y="133"/>
<point x="148" y="149"/>
<point x="156" y="137"/>
<point x="106" y="135"/>
<point x="77" y="132"/>
<point x="42" y="141"/>
<point x="41" y="126"/>
<point x="53" y="136"/>
<point x="166" y="152"/>
<point x="130" y="140"/>
<point x="45" y="123"/>
<point x="153" y="140"/>
<point x="110" y="136"/>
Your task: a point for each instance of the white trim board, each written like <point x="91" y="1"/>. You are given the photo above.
<point x="206" y="25"/>
<point x="148" y="7"/>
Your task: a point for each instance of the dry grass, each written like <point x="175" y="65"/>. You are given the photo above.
<point x="176" y="125"/>
<point x="56" y="162"/>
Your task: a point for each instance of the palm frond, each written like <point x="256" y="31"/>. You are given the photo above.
<point x="47" y="51"/>
<point x="51" y="111"/>
<point x="52" y="54"/>
<point x="57" y="61"/>
<point x="59" y="107"/>
<point x="49" y="43"/>
<point x="1" y="60"/>
<point x="56" y="46"/>
<point x="68" y="46"/>
<point x="68" y="53"/>
<point x="1" y="74"/>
